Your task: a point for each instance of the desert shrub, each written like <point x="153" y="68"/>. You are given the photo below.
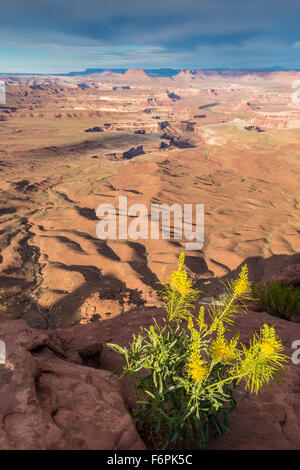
<point x="279" y="300"/>
<point x="243" y="116"/>
<point x="185" y="372"/>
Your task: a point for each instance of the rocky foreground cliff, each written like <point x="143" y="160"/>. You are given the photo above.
<point x="57" y="393"/>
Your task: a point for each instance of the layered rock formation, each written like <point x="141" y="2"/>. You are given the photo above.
<point x="52" y="184"/>
<point x="133" y="152"/>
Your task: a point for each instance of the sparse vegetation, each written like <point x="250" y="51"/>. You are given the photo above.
<point x="282" y="301"/>
<point x="185" y="372"/>
<point x="243" y="116"/>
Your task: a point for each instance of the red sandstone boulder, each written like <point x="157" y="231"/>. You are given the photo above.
<point x="51" y="399"/>
<point x="288" y="275"/>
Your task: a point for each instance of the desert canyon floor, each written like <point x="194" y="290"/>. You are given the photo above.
<point x="69" y="144"/>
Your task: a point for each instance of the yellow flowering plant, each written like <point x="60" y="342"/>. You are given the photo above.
<point x="185" y="372"/>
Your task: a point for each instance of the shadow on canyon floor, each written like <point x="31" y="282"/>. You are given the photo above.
<point x="108" y="290"/>
<point x="259" y="268"/>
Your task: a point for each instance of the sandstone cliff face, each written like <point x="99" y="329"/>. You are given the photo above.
<point x="276" y="121"/>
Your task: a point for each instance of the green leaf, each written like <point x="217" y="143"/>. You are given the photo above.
<point x="116" y="348"/>
<point x="160" y="384"/>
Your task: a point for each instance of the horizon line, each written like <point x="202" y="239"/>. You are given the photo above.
<point x="122" y="70"/>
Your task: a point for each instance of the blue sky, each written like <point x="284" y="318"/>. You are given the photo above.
<point x="58" y="36"/>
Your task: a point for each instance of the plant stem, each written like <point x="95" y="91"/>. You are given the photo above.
<point x="222" y="381"/>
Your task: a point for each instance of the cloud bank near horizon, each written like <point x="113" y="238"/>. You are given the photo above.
<point x="57" y="37"/>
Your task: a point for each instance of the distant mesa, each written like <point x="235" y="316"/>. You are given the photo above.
<point x="188" y="74"/>
<point x="133" y="152"/>
<point x="108" y="74"/>
<point x="136" y="74"/>
<point x="162" y="72"/>
<point x="94" y="129"/>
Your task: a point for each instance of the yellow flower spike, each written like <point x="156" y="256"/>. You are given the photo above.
<point x="221" y="329"/>
<point x="230" y="354"/>
<point x="214" y="325"/>
<point x="262" y="360"/>
<point x="152" y="330"/>
<point x="218" y="349"/>
<point x="221" y="350"/>
<point x="269" y="344"/>
<point x="195" y="340"/>
<point x="180" y="282"/>
<point x="181" y="260"/>
<point x="242" y="284"/>
<point x="197" y="368"/>
<point x="178" y="294"/>
<point x="200" y="319"/>
<point x="267" y="349"/>
<point x="190" y="324"/>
